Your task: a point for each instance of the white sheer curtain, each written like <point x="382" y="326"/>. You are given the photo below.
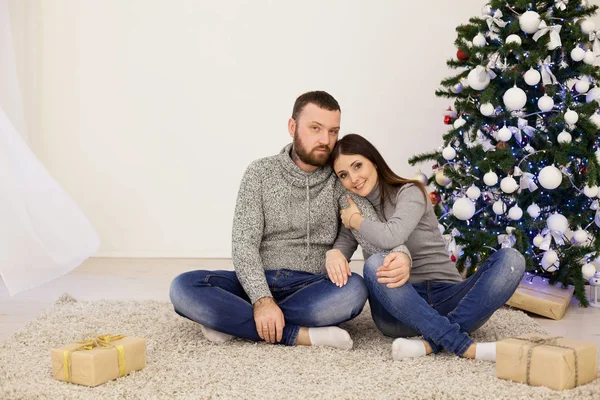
<point x="43" y="233"/>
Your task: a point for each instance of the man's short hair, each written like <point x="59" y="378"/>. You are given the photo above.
<point x="319" y="98"/>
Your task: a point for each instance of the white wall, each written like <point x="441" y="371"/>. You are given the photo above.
<point x="151" y="110"/>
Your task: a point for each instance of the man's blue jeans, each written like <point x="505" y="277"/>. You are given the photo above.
<point x="217" y="300"/>
<point x="444" y="312"/>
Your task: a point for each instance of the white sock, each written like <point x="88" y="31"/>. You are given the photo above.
<point x="485" y="351"/>
<point x="330" y="336"/>
<point x="408" y="348"/>
<point x="215" y="336"/>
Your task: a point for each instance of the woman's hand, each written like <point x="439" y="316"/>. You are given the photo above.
<point x="351" y="217"/>
<point x="337" y="267"/>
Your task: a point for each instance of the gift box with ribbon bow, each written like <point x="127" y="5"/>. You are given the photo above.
<point x="537" y="296"/>
<point x="554" y="362"/>
<point x="99" y="359"/>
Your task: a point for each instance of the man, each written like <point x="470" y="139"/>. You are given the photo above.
<point x="286" y="221"/>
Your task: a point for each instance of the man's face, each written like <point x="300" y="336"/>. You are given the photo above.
<point x="315" y="133"/>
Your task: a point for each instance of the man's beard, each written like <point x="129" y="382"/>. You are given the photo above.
<point x="310" y="157"/>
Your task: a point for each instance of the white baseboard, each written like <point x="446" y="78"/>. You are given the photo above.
<point x="148" y="254"/>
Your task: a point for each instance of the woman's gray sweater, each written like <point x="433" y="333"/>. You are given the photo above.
<point x="407" y="218"/>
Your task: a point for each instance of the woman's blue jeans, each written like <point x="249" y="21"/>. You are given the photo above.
<point x="444" y="313"/>
<point x="217" y="300"/>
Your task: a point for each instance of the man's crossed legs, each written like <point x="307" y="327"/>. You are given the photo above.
<point x="217" y="300"/>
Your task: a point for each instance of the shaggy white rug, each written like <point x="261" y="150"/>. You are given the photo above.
<point x="182" y="364"/>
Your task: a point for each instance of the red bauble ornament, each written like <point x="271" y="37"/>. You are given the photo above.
<point x="447" y="120"/>
<point x="435" y="198"/>
<point x="462" y="56"/>
<point x="453" y="258"/>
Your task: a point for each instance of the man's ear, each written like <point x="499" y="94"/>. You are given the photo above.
<point x="291" y="126"/>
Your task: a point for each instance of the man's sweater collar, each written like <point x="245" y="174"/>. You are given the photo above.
<point x="296" y="176"/>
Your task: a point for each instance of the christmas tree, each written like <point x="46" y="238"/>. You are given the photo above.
<point x="520" y="166"/>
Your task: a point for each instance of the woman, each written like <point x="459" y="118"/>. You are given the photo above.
<point x="435" y="301"/>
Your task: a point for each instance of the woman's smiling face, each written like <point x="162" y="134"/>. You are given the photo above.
<point x="356" y="173"/>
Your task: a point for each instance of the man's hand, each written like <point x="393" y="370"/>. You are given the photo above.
<point x="395" y="270"/>
<point x="269" y="320"/>
<point x="337" y="267"/>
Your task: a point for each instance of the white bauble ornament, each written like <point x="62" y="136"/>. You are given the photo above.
<point x="577" y="54"/>
<point x="463" y="209"/>
<point x="477" y="80"/>
<point x="490" y="178"/>
<point x="532" y="77"/>
<point x="593" y="94"/>
<point x="564" y="137"/>
<point x="514" y="98"/>
<point x="590" y="57"/>
<point x="486" y="10"/>
<point x="550" y="177"/>
<point x="557" y="222"/>
<point x="571" y="117"/>
<point x="534" y="210"/>
<point x="442" y="179"/>
<point x="421" y="177"/>
<point x="515" y="213"/>
<point x="582" y="86"/>
<point x="537" y="241"/>
<point x="590" y="191"/>
<point x="580" y="236"/>
<point x="514" y="39"/>
<point x="549" y="260"/>
<point x="473" y="192"/>
<point x="479" y="40"/>
<point x="587" y="26"/>
<point x="595" y="119"/>
<point x="504" y="134"/>
<point x="509" y="185"/>
<point x="449" y="153"/>
<point x="545" y="103"/>
<point x="486" y="109"/>
<point x="588" y="270"/>
<point x="499" y="207"/>
<point x="457" y="88"/>
<point x="459" y="122"/>
<point x="529" y="22"/>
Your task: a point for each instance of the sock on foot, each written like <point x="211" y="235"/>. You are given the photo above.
<point x="485" y="351"/>
<point x="408" y="348"/>
<point x="215" y="336"/>
<point x="330" y="336"/>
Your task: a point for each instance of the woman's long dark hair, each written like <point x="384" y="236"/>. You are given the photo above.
<point x="355" y="144"/>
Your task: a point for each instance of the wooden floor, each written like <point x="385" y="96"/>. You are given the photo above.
<point x="111" y="278"/>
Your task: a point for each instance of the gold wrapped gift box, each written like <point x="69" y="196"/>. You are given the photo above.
<point x="537" y="296"/>
<point x="557" y="363"/>
<point x="98" y="360"/>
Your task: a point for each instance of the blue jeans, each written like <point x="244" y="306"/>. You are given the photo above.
<point x="217" y="300"/>
<point x="444" y="313"/>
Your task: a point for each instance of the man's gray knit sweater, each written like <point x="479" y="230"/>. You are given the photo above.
<point x="285" y="218"/>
